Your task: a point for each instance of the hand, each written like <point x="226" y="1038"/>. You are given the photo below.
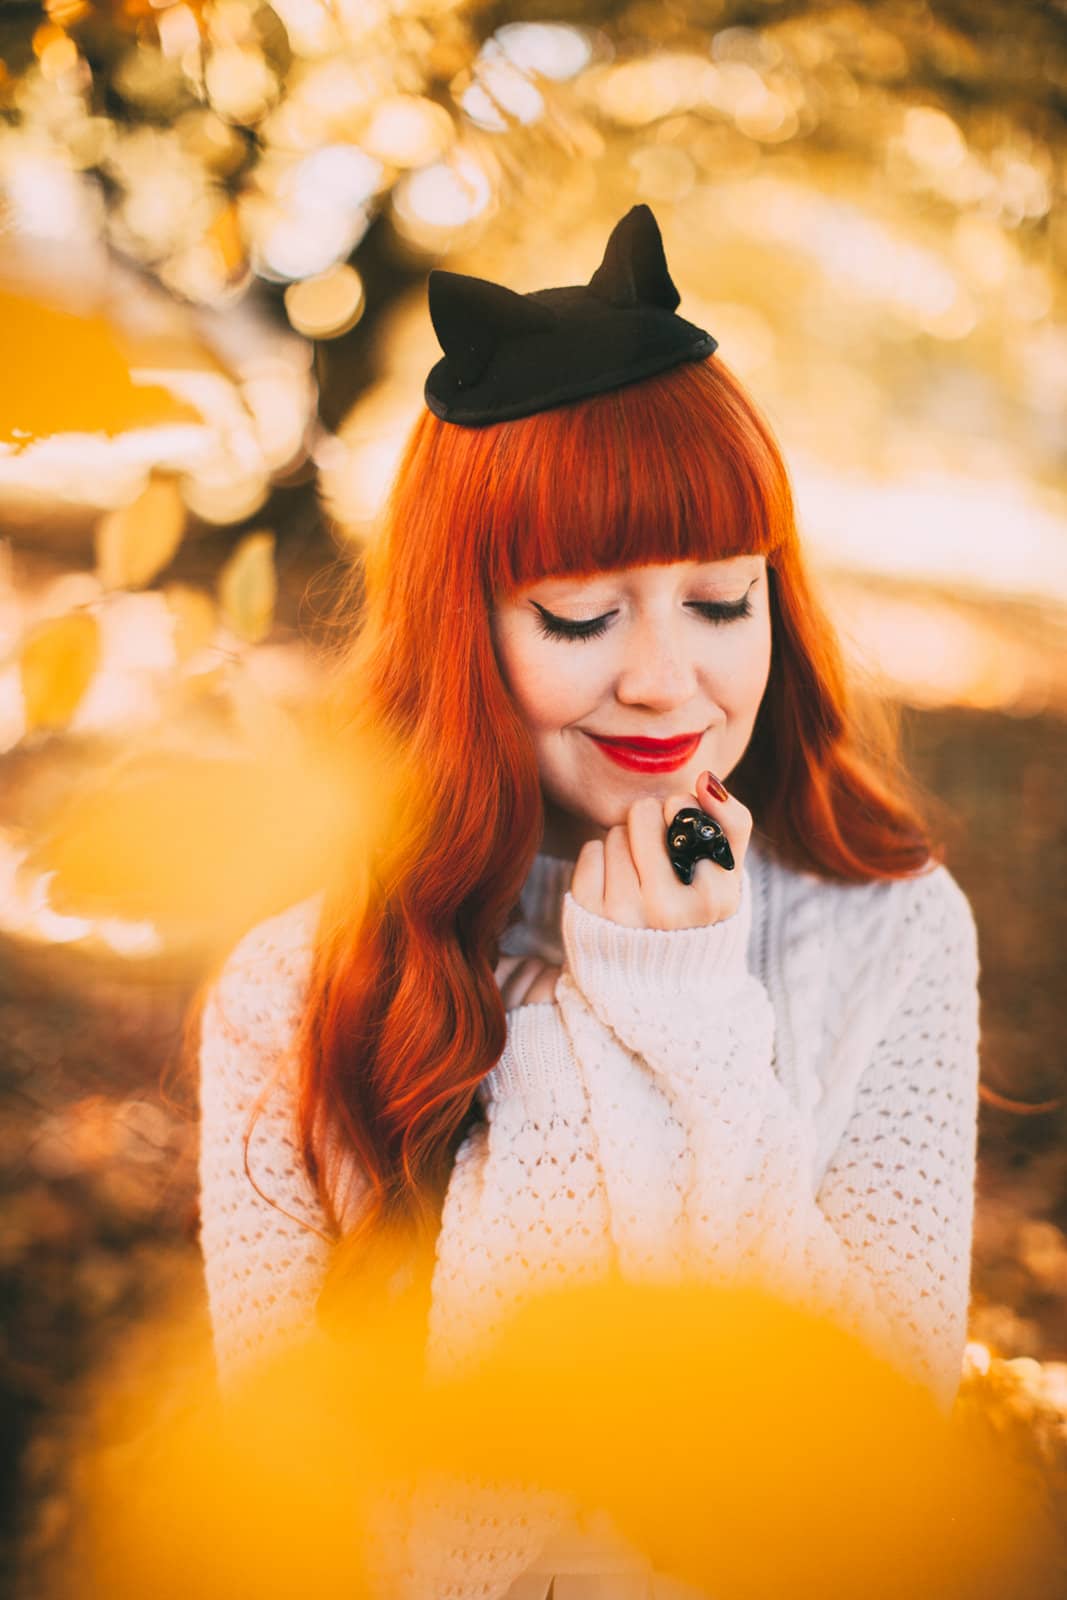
<point x="628" y="878"/>
<point x="525" y="980"/>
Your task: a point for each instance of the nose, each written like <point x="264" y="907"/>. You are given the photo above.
<point x="658" y="669"/>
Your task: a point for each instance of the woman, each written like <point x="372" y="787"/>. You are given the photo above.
<point x="510" y="1023"/>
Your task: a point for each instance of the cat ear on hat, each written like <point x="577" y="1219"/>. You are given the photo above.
<point x="634" y="269"/>
<point x="471" y="316"/>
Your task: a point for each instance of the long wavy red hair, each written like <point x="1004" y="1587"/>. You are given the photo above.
<point x="403" y="1016"/>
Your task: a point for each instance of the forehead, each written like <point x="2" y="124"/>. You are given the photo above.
<point x="652" y="574"/>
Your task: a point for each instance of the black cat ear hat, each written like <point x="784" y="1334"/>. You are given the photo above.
<point x="507" y="355"/>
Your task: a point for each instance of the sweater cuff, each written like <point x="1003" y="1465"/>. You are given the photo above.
<point x="537" y="1059"/>
<point x="606" y="956"/>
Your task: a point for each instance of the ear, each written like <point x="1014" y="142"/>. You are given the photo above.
<point x="471" y="316"/>
<point x="634" y="269"/>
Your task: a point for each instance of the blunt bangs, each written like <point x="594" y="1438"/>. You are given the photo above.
<point x="678" y="467"/>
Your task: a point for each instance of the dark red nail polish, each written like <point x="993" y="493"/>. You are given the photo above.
<point x="716" y="787"/>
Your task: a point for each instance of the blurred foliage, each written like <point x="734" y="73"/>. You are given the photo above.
<point x="724" y="1387"/>
<point x="216" y="220"/>
<point x="37" y="346"/>
<point x="97" y="1161"/>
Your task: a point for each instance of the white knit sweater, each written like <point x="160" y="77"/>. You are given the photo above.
<point x="792" y="1091"/>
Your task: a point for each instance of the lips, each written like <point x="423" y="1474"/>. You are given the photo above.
<point x="649" y="755"/>
<point x="652" y="747"/>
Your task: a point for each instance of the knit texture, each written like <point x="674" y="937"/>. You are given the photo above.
<point x="788" y="1096"/>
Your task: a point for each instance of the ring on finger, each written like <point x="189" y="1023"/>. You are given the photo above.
<point x="691" y="836"/>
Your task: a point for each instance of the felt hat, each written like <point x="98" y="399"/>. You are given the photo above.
<point x="508" y="354"/>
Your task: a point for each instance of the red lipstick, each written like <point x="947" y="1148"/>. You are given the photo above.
<point x="649" y="755"/>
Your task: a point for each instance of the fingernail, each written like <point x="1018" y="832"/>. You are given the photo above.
<point x="716" y="787"/>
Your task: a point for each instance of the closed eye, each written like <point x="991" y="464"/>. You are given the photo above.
<point x="718" y="611"/>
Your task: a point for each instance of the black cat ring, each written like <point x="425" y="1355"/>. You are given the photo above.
<point x="693" y="836"/>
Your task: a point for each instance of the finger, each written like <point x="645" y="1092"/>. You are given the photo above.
<point x="732" y="815"/>
<point x="587" y="879"/>
<point x="710" y="885"/>
<point x="674" y="803"/>
<point x="735" y="820"/>
<point x="505" y="967"/>
<point x="647" y="820"/>
<point x="622" y="883"/>
<point x="543" y="988"/>
<point x="716" y="887"/>
<point x="521" y="979"/>
<point x="709" y="787"/>
<point x="508" y="976"/>
<point x="506" y="981"/>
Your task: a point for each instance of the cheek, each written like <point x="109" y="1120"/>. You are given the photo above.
<point x="550" y="695"/>
<point x="550" y="687"/>
<point x="744" y="681"/>
<point x="759" y="664"/>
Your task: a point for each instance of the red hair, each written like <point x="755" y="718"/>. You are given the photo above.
<point x="403" y="1016"/>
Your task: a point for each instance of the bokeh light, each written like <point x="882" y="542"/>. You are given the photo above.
<point x="216" y="222"/>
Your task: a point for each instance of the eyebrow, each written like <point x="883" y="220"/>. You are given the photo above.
<point x="737" y="564"/>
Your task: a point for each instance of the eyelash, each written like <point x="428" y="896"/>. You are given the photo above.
<point x="711" y="610"/>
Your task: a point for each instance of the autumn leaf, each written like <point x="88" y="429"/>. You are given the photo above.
<point x="248" y="587"/>
<point x="136" y="541"/>
<point x="56" y="665"/>
<point x="65" y="372"/>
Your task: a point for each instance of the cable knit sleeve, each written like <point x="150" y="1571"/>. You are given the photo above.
<point x="884" y="1241"/>
<point x="263" y="1266"/>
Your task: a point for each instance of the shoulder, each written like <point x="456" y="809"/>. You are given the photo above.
<point x="259" y="987"/>
<point x="935" y="905"/>
<point x="927" y="916"/>
<point x="886" y="928"/>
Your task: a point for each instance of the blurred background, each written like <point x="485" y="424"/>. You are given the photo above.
<point x="216" y="224"/>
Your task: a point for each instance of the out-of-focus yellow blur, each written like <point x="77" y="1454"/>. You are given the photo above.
<point x="67" y="373"/>
<point x="746" y="1445"/>
<point x="159" y="836"/>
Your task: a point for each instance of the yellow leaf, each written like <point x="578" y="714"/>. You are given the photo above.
<point x="56" y="666"/>
<point x="68" y="373"/>
<point x="248" y="588"/>
<point x="138" y="540"/>
<point x="225" y="236"/>
<point x="194" y="618"/>
<point x="196" y="834"/>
